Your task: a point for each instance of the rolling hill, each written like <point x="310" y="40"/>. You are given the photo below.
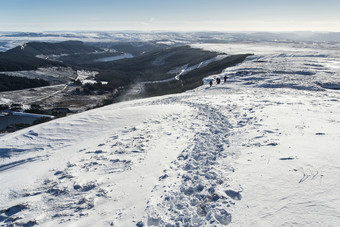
<point x="154" y="65"/>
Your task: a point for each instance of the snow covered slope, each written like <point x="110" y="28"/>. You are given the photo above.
<point x="238" y="153"/>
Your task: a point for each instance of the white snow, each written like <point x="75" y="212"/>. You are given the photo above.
<point x="5" y="101"/>
<point x="86" y="77"/>
<point x="261" y="149"/>
<point x="185" y="69"/>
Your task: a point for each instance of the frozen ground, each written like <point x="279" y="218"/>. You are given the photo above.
<point x="242" y="153"/>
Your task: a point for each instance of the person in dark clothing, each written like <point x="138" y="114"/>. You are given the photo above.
<point x="225" y="79"/>
<point x="210" y="83"/>
<point x="218" y="80"/>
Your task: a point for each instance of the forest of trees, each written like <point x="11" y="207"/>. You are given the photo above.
<point x="11" y="83"/>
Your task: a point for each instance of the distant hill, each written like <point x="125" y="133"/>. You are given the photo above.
<point x="16" y="62"/>
<point x="137" y="48"/>
<point x="159" y="69"/>
<point x="112" y="50"/>
<point x="153" y="65"/>
<point x="43" y="48"/>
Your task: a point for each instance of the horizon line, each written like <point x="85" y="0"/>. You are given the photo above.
<point x="175" y="31"/>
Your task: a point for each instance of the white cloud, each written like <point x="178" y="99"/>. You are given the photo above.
<point x="150" y="21"/>
<point x="144" y="23"/>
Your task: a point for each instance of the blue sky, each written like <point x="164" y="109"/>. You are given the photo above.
<point x="174" y="15"/>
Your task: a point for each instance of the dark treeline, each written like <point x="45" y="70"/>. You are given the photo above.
<point x="11" y="83"/>
<point x="16" y="62"/>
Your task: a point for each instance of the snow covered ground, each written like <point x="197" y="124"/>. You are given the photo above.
<point x="261" y="149"/>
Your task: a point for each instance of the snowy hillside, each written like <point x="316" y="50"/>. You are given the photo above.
<point x="261" y="149"/>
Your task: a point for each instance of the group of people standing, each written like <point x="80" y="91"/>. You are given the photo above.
<point x="218" y="80"/>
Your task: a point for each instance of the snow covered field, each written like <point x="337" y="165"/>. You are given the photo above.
<point x="262" y="149"/>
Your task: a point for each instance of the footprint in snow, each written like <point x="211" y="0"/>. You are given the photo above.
<point x="234" y="194"/>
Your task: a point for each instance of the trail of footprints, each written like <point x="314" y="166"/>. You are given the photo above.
<point x="197" y="197"/>
<point x="200" y="191"/>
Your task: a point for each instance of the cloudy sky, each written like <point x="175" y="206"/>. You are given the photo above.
<point x="172" y="15"/>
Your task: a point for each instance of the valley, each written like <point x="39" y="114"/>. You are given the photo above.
<point x="77" y="77"/>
